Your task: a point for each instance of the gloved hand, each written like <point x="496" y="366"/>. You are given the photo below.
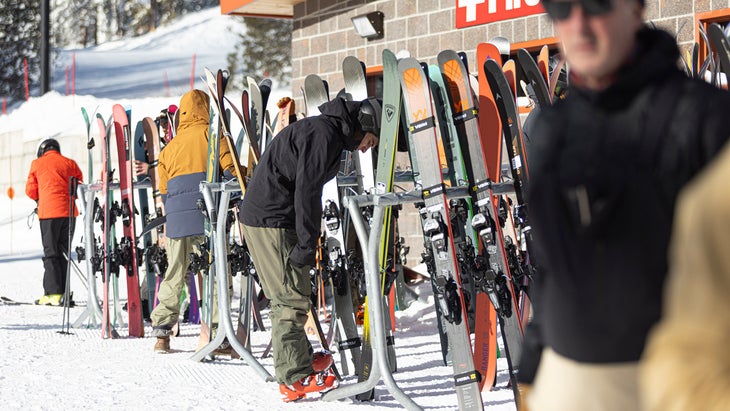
<point x="302" y="256"/>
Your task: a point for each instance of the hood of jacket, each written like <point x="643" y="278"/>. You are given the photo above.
<point x="654" y="57"/>
<point x="193" y="110"/>
<point x="344" y="113"/>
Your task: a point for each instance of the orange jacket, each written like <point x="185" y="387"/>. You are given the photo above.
<point x="48" y="184"/>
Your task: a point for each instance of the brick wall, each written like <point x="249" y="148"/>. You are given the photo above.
<point x="323" y="33"/>
<point x="323" y="36"/>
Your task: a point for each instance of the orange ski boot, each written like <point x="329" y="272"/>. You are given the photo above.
<point x="322" y="379"/>
<point x="322" y="361"/>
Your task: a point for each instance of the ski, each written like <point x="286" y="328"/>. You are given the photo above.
<point x="543" y="63"/>
<point x="265" y="91"/>
<point x="89" y="142"/>
<point x="219" y="124"/>
<point x="722" y="47"/>
<point x="128" y="246"/>
<point x="435" y="220"/>
<point x="535" y="78"/>
<point x="457" y="176"/>
<point x="286" y="110"/>
<point x="140" y="154"/>
<point x="104" y="216"/>
<point x="356" y="89"/>
<point x="507" y="108"/>
<point x="257" y="114"/>
<point x="489" y="268"/>
<point x="315" y="93"/>
<point x="156" y="254"/>
<point x="347" y="339"/>
<point x="512" y="135"/>
<point x="490" y="127"/>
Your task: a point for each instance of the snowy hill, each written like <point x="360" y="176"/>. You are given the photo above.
<point x="140" y="67"/>
<point x="145" y="73"/>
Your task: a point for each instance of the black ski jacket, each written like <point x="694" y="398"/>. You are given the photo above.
<point x="286" y="188"/>
<point x="606" y="168"/>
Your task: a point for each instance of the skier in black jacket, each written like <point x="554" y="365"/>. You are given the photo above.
<point x="606" y="167"/>
<point x="282" y="217"/>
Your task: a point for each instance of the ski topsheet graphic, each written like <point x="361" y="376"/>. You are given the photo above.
<point x="435" y="220"/>
<point x="128" y="247"/>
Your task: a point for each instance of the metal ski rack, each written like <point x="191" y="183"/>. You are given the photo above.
<point x="370" y="244"/>
<point x="221" y="267"/>
<point x="87" y="192"/>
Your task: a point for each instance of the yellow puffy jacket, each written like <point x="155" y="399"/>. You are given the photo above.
<point x="182" y="166"/>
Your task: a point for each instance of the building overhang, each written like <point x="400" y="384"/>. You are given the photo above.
<point x="260" y="8"/>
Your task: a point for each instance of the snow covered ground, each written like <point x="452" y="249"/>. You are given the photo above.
<point x="42" y="369"/>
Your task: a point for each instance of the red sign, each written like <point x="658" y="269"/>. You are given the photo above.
<point x="475" y="12"/>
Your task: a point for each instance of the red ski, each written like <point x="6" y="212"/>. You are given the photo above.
<point x="128" y="246"/>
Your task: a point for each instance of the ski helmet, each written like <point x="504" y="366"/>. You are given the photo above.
<point x="48" y="144"/>
<point x="369" y="115"/>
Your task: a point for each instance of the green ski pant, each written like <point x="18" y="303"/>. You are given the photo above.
<point x="289" y="289"/>
<point x="177" y="276"/>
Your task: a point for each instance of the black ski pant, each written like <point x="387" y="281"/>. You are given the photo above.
<point x="55" y="234"/>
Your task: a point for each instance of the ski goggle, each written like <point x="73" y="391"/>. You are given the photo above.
<point x="560" y="10"/>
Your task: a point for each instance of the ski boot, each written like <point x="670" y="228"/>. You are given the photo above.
<point x="49" y="299"/>
<point x="321" y="380"/>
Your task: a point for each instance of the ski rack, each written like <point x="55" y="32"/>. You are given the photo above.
<point x="221" y="266"/>
<point x="87" y="192"/>
<point x="369" y="245"/>
<point x="506" y="187"/>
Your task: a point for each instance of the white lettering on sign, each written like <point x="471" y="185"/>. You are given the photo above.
<point x="473" y="12"/>
<point x="471" y="8"/>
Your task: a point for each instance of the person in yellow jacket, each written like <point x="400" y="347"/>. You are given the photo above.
<point x="182" y="166"/>
<point x="48" y="184"/>
<point x="686" y="365"/>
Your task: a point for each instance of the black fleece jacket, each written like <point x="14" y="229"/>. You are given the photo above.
<point x="606" y="168"/>
<point x="286" y="188"/>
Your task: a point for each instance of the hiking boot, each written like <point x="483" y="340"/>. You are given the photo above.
<point x="162" y="346"/>
<point x="316" y="382"/>
<point x="49" y="299"/>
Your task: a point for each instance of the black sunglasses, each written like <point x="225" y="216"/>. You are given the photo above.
<point x="560" y="10"/>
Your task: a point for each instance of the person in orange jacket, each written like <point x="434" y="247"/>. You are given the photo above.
<point x="48" y="184"/>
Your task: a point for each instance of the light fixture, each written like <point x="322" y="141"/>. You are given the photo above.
<point x="369" y="26"/>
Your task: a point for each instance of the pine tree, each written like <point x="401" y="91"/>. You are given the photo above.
<point x="19" y="40"/>
<point x="264" y="50"/>
<point x="74" y="24"/>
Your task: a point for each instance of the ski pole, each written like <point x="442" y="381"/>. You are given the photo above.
<point x="72" y="185"/>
